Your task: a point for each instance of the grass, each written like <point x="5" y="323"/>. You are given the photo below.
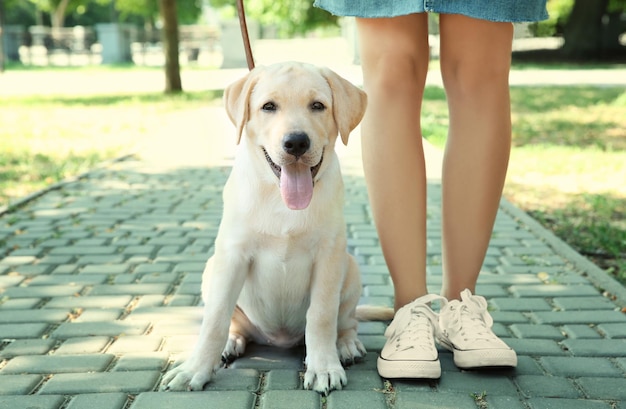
<point x="567" y="164"/>
<point x="45" y="139"/>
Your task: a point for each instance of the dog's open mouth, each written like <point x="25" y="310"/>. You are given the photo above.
<point x="296" y="181"/>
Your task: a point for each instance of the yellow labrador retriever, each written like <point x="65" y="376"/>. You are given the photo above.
<point x="281" y="272"/>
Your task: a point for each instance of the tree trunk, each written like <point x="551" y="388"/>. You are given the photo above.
<point x="1" y="36"/>
<point x="57" y="15"/>
<point x="170" y="44"/>
<point x="590" y="32"/>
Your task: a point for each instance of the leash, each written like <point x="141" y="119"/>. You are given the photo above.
<point x="244" y="33"/>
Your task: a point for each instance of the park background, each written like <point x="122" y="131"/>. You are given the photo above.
<point x="87" y="81"/>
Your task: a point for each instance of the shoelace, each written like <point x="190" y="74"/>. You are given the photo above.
<point x="417" y="331"/>
<point x="469" y="317"/>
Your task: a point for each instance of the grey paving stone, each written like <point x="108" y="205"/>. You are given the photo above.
<point x="145" y="361"/>
<point x="509" y="317"/>
<point x="583" y="303"/>
<point x="135" y="343"/>
<point x="26" y="316"/>
<point x="232" y="379"/>
<point x="99" y="315"/>
<point x="553" y="290"/>
<point x="282" y="379"/>
<point x="578" y="317"/>
<point x="527" y="365"/>
<point x="537" y="331"/>
<point x="504" y="402"/>
<point x="520" y="304"/>
<point x="577" y="366"/>
<point x="31" y="402"/>
<point x="113" y="329"/>
<point x="535" y="347"/>
<point x="20" y="331"/>
<point x="83" y="345"/>
<point x="547" y="386"/>
<point x="27" y="347"/>
<point x="99" y="401"/>
<point x="45" y="291"/>
<point x="84" y="250"/>
<point x="282" y="399"/>
<point x="578" y="331"/>
<point x="604" y="388"/>
<point x="132" y="289"/>
<point x="18" y="384"/>
<point x="429" y="400"/>
<point x="101" y="382"/>
<point x="10" y="280"/>
<point x="613" y="330"/>
<point x="20" y="304"/>
<point x="72" y="279"/>
<point x="559" y="403"/>
<point x="476" y="382"/>
<point x="100" y="269"/>
<point x="53" y="364"/>
<point x="596" y="347"/>
<point x="195" y="400"/>
<point x="361" y="380"/>
<point x="357" y="399"/>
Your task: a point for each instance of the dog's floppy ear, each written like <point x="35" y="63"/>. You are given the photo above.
<point x="236" y="97"/>
<point x="349" y="103"/>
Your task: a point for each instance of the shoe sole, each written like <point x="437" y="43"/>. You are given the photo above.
<point x="409" y="369"/>
<point x="481" y="358"/>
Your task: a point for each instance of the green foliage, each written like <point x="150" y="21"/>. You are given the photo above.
<point x="559" y="11"/>
<point x="89" y="12"/>
<point x="293" y="17"/>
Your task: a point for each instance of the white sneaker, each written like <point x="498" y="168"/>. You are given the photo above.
<point x="465" y="329"/>
<point x="410" y="350"/>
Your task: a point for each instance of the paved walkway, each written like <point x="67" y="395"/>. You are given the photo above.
<point x="99" y="295"/>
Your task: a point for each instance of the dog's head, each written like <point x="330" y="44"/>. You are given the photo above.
<point x="292" y="114"/>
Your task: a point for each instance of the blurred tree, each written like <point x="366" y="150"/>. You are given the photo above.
<point x="593" y="29"/>
<point x="1" y="36"/>
<point x="170" y="45"/>
<point x="57" y="9"/>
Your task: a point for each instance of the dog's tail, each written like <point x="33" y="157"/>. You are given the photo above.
<point x="374" y="313"/>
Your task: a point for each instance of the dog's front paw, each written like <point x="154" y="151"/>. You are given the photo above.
<point x="325" y="380"/>
<point x="187" y="377"/>
<point x="350" y="350"/>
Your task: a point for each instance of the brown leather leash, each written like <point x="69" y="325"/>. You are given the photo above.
<point x="244" y="34"/>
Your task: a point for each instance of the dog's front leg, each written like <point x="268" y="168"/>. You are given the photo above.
<point x="324" y="371"/>
<point x="225" y="281"/>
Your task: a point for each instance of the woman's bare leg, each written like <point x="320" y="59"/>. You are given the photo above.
<point x="475" y="63"/>
<point x="394" y="57"/>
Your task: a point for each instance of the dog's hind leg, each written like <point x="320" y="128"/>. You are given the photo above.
<point x="349" y="348"/>
<point x="238" y="336"/>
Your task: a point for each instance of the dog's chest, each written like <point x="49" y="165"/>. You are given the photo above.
<point x="277" y="290"/>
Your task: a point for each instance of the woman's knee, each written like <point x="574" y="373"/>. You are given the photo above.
<point x="475" y="54"/>
<point x="394" y="52"/>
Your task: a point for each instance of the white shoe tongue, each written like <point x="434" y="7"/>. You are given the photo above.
<point x="296" y="186"/>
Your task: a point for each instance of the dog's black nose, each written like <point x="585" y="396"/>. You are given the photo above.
<point x="296" y="143"/>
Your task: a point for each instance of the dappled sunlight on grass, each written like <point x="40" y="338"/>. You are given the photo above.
<point x="49" y="138"/>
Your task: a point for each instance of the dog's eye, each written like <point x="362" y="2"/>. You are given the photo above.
<point x="269" y="107"/>
<point x="317" y="106"/>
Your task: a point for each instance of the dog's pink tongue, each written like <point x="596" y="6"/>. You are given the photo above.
<point x="296" y="186"/>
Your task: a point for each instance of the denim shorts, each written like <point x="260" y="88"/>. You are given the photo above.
<point x="493" y="10"/>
